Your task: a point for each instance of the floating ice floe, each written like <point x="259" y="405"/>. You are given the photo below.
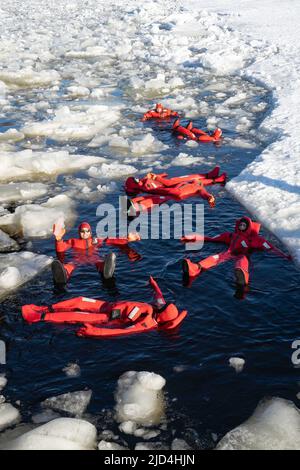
<point x="34" y="220"/>
<point x="111" y="171"/>
<point x="82" y="123"/>
<point x="35" y="165"/>
<point x="105" y="445"/>
<point x="274" y="425"/>
<point x="73" y="403"/>
<point x="147" y="144"/>
<point x="7" y="243"/>
<point x="29" y="78"/>
<point x="139" y="398"/>
<point x="18" y="268"/>
<point x="3" y="382"/>
<point x="237" y="363"/>
<point x="9" y="415"/>
<point x="59" y="434"/>
<point x="44" y="417"/>
<point x="72" y="370"/>
<point x="12" y="135"/>
<point x="17" y="192"/>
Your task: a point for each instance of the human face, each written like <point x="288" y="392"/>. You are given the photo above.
<point x="242" y="226"/>
<point x="85" y="233"/>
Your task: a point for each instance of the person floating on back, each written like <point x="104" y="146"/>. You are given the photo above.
<point x="192" y="133"/>
<point x="241" y="243"/>
<point x="159" y="112"/>
<point x="85" y="251"/>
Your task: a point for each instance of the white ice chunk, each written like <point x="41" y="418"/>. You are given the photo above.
<point x="275" y="425"/>
<point x="33" y="165"/>
<point x="72" y="370"/>
<point x="111" y="171"/>
<point x="7" y="243"/>
<point x="139" y="398"/>
<point x="59" y="434"/>
<point x="14" y="192"/>
<point x="74" y="403"/>
<point x="147" y="144"/>
<point x="3" y="382"/>
<point x="18" y="268"/>
<point x="12" y="135"/>
<point x="28" y="78"/>
<point x="237" y="363"/>
<point x="68" y="124"/>
<point x="180" y="444"/>
<point x="104" y="445"/>
<point x="8" y="415"/>
<point x="34" y="220"/>
<point x="44" y="417"/>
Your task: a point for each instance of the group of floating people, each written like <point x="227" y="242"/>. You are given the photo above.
<point x="105" y="319"/>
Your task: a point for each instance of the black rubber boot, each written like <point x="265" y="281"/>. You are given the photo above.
<point x="109" y="266"/>
<point x="60" y="277"/>
<point x="240" y="278"/>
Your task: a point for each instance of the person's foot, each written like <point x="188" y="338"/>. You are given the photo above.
<point x="240" y="277"/>
<point x="190" y="271"/>
<point x="217" y="134"/>
<point x="221" y="179"/>
<point x="213" y="173"/>
<point x="109" y="266"/>
<point x="59" y="274"/>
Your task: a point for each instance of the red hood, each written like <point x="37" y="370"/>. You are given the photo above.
<point x="253" y="227"/>
<point x="84" y="225"/>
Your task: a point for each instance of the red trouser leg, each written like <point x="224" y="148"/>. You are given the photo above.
<point x="82" y="303"/>
<point x="242" y="264"/>
<point x="215" y="260"/>
<point x="69" y="267"/>
<point x="99" y="265"/>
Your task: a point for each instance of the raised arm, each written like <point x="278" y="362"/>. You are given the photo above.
<point x="157" y="293"/>
<point x="60" y="245"/>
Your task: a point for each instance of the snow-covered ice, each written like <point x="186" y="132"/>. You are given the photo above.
<point x="59" y="434"/>
<point x="9" y="415"/>
<point x="139" y="398"/>
<point x="274" y="425"/>
<point x="18" y="268"/>
<point x="237" y="363"/>
<point x="7" y="243"/>
<point x="73" y="403"/>
<point x="36" y="220"/>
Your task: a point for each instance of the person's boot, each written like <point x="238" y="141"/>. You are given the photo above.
<point x="189" y="126"/>
<point x="213" y="173"/>
<point x="190" y="271"/>
<point x="59" y="274"/>
<point x="240" y="278"/>
<point x="221" y="179"/>
<point x="109" y="266"/>
<point x="217" y="134"/>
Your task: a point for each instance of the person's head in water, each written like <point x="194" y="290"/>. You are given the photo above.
<point x="243" y="225"/>
<point x="159" y="107"/>
<point x="85" y="231"/>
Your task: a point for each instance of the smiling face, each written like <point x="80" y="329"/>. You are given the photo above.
<point x="85" y="233"/>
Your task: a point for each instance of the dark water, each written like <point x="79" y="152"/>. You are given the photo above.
<point x="204" y="394"/>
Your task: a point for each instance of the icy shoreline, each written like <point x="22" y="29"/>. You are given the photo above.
<point x="269" y="187"/>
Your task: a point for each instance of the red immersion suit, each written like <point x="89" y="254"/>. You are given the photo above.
<point x="159" y="112"/>
<point x="240" y="245"/>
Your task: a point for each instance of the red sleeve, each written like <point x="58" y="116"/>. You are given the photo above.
<point x="62" y="246"/>
<point x="116" y="241"/>
<point x="261" y="244"/>
<point x="222" y="238"/>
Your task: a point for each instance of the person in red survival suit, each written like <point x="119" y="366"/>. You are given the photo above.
<point x="161" y="184"/>
<point x="241" y="243"/>
<point x="85" y="251"/>
<point x="159" y="112"/>
<point x="192" y="133"/>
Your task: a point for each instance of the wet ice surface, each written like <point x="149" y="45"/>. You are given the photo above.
<point x="72" y="94"/>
